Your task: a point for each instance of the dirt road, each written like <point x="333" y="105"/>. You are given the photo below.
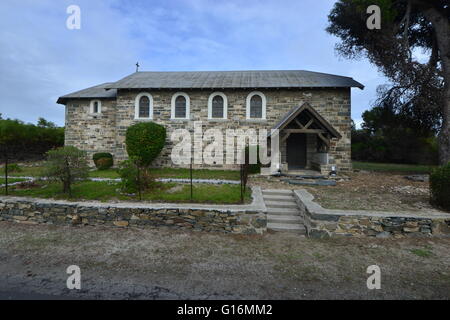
<point x="167" y="264"/>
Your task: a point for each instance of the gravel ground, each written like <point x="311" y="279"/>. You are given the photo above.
<point x="364" y="191"/>
<point x="167" y="264"/>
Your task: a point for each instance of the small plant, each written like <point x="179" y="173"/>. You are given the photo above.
<point x="440" y="187"/>
<point x="424" y="253"/>
<point x="66" y="164"/>
<point x="134" y="178"/>
<point x="103" y="161"/>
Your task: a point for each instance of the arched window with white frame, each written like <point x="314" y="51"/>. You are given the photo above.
<point x="95" y="106"/>
<point x="256" y="106"/>
<point x="217" y="106"/>
<point x="180" y="106"/>
<point x="143" y="106"/>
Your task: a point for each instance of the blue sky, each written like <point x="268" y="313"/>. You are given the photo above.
<point x="40" y="59"/>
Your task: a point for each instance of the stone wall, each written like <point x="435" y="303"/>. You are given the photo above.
<point x="325" y="223"/>
<point x="107" y="131"/>
<point x="250" y="219"/>
<point x="35" y="212"/>
<point x="91" y="132"/>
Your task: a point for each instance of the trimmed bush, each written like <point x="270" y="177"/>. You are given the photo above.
<point x="145" y="141"/>
<point x="103" y="161"/>
<point x="440" y="187"/>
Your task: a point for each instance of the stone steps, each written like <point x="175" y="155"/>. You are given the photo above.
<point x="277" y="192"/>
<point x="282" y="211"/>
<point x="287" y="227"/>
<point x="281" y="204"/>
<point x="279" y="198"/>
<point x="284" y="219"/>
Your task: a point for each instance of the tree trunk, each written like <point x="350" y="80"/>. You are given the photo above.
<point x="441" y="25"/>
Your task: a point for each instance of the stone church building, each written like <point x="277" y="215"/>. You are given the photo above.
<point x="311" y="110"/>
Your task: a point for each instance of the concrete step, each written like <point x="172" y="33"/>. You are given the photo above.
<point x="284" y="219"/>
<point x="284" y="211"/>
<point x="278" y="198"/>
<point x="281" y="204"/>
<point x="279" y="192"/>
<point x="287" y="227"/>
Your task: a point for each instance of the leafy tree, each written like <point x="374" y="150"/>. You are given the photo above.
<point x="407" y="25"/>
<point x="390" y="137"/>
<point x="66" y="164"/>
<point x="45" y="124"/>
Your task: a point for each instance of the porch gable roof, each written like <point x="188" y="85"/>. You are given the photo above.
<point x="294" y="112"/>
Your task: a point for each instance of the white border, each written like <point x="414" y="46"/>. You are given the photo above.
<point x="136" y="106"/>
<point x="188" y="106"/>
<point x="91" y="106"/>
<point x="225" y="105"/>
<point x="264" y="102"/>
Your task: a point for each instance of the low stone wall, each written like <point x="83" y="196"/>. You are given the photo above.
<point x="324" y="223"/>
<point x="246" y="219"/>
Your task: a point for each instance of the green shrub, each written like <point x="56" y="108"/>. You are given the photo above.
<point x="145" y="141"/>
<point x="440" y="187"/>
<point x="103" y="161"/>
<point x="133" y="176"/>
<point x="66" y="164"/>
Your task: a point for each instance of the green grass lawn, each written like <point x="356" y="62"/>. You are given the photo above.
<point x="10" y="180"/>
<point x="174" y="173"/>
<point x="104" y="191"/>
<point x="157" y="172"/>
<point x="392" y="167"/>
<point x="25" y="172"/>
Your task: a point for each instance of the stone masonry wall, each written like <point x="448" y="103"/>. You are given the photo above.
<point x="91" y="132"/>
<point x="325" y="223"/>
<point x="107" y="132"/>
<point x="33" y="211"/>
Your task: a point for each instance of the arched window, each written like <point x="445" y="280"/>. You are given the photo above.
<point x="256" y="106"/>
<point x="180" y="106"/>
<point x="143" y="106"/>
<point x="217" y="106"/>
<point x="96" y="106"/>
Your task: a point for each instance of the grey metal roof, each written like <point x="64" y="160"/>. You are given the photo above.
<point x="96" y="92"/>
<point x="233" y="79"/>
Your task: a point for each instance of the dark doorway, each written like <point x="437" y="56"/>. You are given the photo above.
<point x="296" y="151"/>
